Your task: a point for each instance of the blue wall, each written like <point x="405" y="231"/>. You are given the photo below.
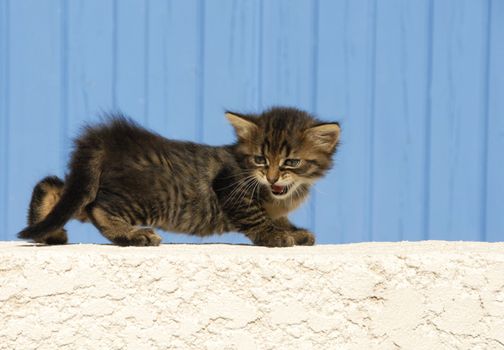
<point x="417" y="85"/>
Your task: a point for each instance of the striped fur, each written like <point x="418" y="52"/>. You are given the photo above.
<point x="127" y="180"/>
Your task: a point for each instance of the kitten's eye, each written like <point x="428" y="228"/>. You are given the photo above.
<point x="260" y="160"/>
<point x="292" y="162"/>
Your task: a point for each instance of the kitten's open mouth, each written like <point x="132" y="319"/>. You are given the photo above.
<point x="279" y="190"/>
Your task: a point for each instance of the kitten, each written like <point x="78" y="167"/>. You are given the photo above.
<point x="126" y="179"/>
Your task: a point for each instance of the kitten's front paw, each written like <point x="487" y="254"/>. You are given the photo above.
<point x="276" y="240"/>
<point x="146" y="237"/>
<point x="140" y="237"/>
<point x="303" y="237"/>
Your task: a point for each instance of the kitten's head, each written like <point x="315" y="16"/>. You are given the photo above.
<point x="285" y="148"/>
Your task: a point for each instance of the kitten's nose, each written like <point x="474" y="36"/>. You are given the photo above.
<point x="272" y="178"/>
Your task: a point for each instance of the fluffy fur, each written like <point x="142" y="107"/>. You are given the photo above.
<point x="127" y="180"/>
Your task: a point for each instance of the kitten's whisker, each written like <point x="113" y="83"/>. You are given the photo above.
<point x="319" y="191"/>
<point x="239" y="182"/>
<point x="245" y="190"/>
<point x="251" y="186"/>
<point x="236" y="182"/>
<point x="296" y="193"/>
<point x="238" y="189"/>
<point x="238" y="174"/>
<point x="291" y="197"/>
<point x="253" y="192"/>
<point x="256" y="194"/>
<point x="234" y="193"/>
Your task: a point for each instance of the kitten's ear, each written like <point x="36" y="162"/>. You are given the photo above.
<point x="324" y="136"/>
<point x="243" y="126"/>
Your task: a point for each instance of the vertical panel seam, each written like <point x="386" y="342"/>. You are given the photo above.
<point x="146" y="62"/>
<point x="260" y="57"/>
<point x="114" y="55"/>
<point x="486" y="102"/>
<point x="428" y="116"/>
<point x="166" y="117"/>
<point x="372" y="122"/>
<point x="64" y="81"/>
<point x="314" y="72"/>
<point x="6" y="113"/>
<point x="200" y="71"/>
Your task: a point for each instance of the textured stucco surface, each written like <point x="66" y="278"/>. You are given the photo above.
<point x="428" y="295"/>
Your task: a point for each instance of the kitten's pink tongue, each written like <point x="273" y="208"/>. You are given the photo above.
<point x="277" y="188"/>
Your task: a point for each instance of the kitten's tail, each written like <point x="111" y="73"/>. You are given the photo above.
<point x="81" y="186"/>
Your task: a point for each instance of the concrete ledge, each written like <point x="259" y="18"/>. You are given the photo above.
<point x="428" y="295"/>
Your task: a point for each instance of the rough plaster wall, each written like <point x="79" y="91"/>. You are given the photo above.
<point x="429" y="295"/>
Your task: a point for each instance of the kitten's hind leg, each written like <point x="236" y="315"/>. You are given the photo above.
<point x="119" y="231"/>
<point x="45" y="196"/>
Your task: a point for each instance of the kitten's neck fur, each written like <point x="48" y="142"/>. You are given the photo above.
<point x="277" y="208"/>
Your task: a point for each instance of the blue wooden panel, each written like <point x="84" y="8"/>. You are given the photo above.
<point x="345" y="54"/>
<point x="90" y="61"/>
<point x="34" y="102"/>
<point x="230" y="61"/>
<point x="494" y="190"/>
<point x="4" y="116"/>
<point x="416" y="86"/>
<point x="457" y="119"/>
<point x="399" y="120"/>
<point x="173" y="68"/>
<point x="130" y="58"/>
<point x="287" y="64"/>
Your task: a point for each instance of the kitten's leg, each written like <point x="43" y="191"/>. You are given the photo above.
<point x="45" y="196"/>
<point x="300" y="235"/>
<point x="255" y="223"/>
<point x="269" y="235"/>
<point x="119" y="231"/>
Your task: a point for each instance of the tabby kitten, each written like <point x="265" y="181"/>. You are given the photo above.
<point x="126" y="179"/>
